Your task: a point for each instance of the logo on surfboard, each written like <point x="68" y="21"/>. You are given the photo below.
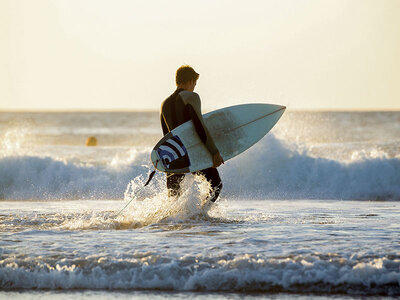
<point x="173" y="154"/>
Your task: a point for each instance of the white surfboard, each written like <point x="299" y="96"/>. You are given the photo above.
<point x="234" y="130"/>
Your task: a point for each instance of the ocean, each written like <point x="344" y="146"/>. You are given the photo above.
<point x="310" y="211"/>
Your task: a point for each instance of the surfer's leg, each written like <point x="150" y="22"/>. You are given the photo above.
<point x="212" y="176"/>
<point x="174" y="184"/>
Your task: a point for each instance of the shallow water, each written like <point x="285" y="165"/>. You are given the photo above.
<point x="265" y="246"/>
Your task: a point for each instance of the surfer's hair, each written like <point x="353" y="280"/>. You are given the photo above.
<point x="185" y="74"/>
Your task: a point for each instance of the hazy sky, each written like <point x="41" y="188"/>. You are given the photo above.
<point x="95" y="54"/>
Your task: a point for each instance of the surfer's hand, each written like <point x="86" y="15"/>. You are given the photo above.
<point x="217" y="160"/>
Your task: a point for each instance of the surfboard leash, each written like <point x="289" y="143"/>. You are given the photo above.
<point x="147" y="182"/>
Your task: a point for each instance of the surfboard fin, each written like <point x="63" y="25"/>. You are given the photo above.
<point x="150" y="177"/>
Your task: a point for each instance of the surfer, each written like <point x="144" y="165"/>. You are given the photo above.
<point x="184" y="105"/>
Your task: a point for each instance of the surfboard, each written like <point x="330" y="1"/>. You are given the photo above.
<point x="234" y="130"/>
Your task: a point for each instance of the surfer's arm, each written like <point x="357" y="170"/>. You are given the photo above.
<point x="192" y="104"/>
<point x="193" y="108"/>
<point x="197" y="123"/>
<point x="203" y="134"/>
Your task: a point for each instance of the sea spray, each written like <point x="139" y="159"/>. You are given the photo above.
<point x="153" y="205"/>
<point x="276" y="169"/>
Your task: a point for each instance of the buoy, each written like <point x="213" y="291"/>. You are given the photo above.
<point x="91" y="141"/>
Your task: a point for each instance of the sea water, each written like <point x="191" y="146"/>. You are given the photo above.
<point x="311" y="211"/>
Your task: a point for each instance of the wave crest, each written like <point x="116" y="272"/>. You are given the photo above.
<point x="269" y="170"/>
<point x="316" y="273"/>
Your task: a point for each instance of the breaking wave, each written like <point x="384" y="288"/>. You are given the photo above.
<point x="269" y="170"/>
<point x="313" y="273"/>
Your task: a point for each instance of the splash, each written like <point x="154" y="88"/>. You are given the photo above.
<point x="152" y="205"/>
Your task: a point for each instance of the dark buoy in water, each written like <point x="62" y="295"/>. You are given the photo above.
<point x="91" y="141"/>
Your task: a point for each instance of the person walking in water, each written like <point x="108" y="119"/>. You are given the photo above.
<point x="184" y="105"/>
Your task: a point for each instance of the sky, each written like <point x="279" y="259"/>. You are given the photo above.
<point x="122" y="55"/>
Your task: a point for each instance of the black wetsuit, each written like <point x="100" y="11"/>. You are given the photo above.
<point x="175" y="112"/>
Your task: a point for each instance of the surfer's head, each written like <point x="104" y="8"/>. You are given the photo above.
<point x="186" y="78"/>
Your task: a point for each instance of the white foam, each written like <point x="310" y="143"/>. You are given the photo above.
<point x="32" y="177"/>
<point x="245" y="273"/>
<point x="273" y="169"/>
<point x="269" y="170"/>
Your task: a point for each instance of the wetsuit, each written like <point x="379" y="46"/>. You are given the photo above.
<point x="177" y="109"/>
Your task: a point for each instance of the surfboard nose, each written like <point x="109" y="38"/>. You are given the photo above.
<point x="275" y="108"/>
<point x="278" y="109"/>
<point x="281" y="109"/>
